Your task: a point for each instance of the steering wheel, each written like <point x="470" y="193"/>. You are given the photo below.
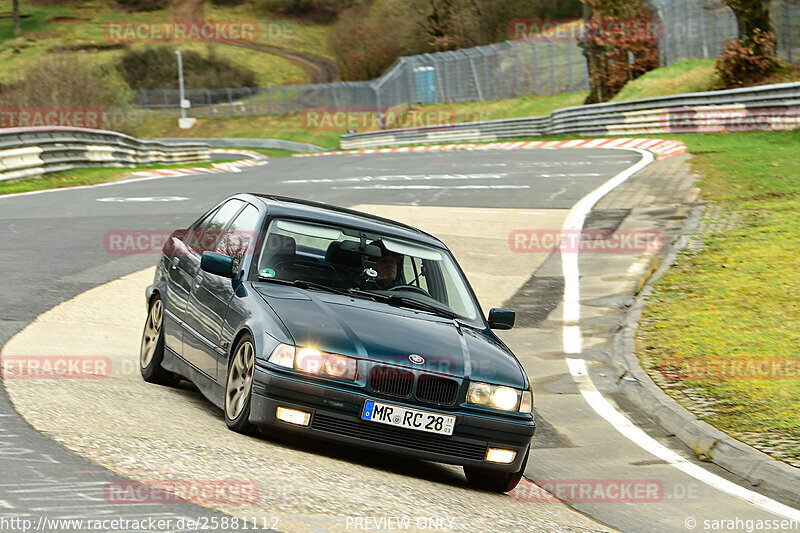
<point x="412" y="288"/>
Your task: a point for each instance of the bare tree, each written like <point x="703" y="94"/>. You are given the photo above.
<point x="751" y="15"/>
<point x="615" y="58"/>
<point x="17" y="28"/>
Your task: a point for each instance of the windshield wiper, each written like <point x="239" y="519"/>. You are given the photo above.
<point x="403" y="301"/>
<point x="302" y="284"/>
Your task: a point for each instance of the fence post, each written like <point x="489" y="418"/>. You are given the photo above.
<point x="533" y="69"/>
<point x="485" y="55"/>
<point x="552" y="69"/>
<point x="787" y="22"/>
<point x="703" y="17"/>
<point x="516" y="69"/>
<point x="569" y="66"/>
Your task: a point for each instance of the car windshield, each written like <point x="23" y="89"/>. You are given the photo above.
<point x="364" y="264"/>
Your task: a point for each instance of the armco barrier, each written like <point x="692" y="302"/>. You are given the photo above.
<point x="769" y="107"/>
<point x="28" y="152"/>
<point x="235" y="142"/>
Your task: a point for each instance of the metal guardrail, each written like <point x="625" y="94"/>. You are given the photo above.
<point x="235" y="142"/>
<point x="768" y="107"/>
<point x="29" y="152"/>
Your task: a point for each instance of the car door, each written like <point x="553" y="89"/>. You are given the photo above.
<point x="181" y="266"/>
<point x="197" y="348"/>
<point x="217" y="296"/>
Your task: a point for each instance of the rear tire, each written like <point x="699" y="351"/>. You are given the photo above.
<point x="496" y="481"/>
<point x="151" y="353"/>
<point x="239" y="387"/>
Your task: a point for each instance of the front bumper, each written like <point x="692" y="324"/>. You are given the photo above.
<point x="336" y="416"/>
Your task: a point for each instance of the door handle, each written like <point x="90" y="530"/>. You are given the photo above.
<point x="175" y="261"/>
<point x="198" y="280"/>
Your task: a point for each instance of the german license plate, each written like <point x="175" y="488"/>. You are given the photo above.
<point x="403" y="417"/>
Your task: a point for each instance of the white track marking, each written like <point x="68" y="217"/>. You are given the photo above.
<point x="429" y="187"/>
<point x="401" y="177"/>
<point x="572" y="340"/>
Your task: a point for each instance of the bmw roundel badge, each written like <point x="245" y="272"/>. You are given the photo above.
<point x="416" y="359"/>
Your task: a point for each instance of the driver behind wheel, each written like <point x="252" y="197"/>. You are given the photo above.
<point x="386" y="266"/>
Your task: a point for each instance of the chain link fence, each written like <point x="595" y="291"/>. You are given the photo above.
<point x="691" y="29"/>
<point x="700" y="28"/>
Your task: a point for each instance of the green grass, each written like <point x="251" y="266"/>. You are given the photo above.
<point x="288" y="127"/>
<point x="738" y="299"/>
<point x="528" y="106"/>
<point x="42" y="31"/>
<point x="84" y="176"/>
<point x="695" y="75"/>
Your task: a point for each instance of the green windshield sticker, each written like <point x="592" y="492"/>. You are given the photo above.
<point x="267" y="273"/>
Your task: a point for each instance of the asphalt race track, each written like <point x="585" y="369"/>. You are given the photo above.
<point x="53" y="250"/>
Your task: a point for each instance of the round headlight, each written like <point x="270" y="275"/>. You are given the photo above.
<point x="336" y="366"/>
<point x="480" y="393"/>
<point x="505" y="398"/>
<point x="309" y="360"/>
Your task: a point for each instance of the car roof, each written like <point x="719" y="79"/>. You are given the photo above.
<point x="319" y="212"/>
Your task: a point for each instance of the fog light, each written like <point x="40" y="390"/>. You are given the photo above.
<point x="499" y="455"/>
<point x="293" y="416"/>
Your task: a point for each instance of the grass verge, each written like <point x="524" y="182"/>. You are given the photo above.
<point x="82" y="25"/>
<point x="83" y="176"/>
<point x="721" y="330"/>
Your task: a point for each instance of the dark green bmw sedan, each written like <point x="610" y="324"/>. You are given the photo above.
<point x="330" y="323"/>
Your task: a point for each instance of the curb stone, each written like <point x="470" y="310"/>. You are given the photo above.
<point x="708" y="443"/>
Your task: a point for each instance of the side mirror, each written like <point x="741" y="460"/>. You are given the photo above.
<point x="502" y="318"/>
<point x="218" y="264"/>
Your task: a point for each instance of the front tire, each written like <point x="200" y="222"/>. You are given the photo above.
<point x="496" y="481"/>
<point x="151" y="353"/>
<point x="239" y="387"/>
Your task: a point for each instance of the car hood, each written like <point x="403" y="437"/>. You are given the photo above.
<point x="380" y="332"/>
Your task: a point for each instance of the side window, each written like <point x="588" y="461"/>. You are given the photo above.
<point x="204" y="239"/>
<point x="240" y="236"/>
<point x="197" y="229"/>
<point x="414" y="273"/>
